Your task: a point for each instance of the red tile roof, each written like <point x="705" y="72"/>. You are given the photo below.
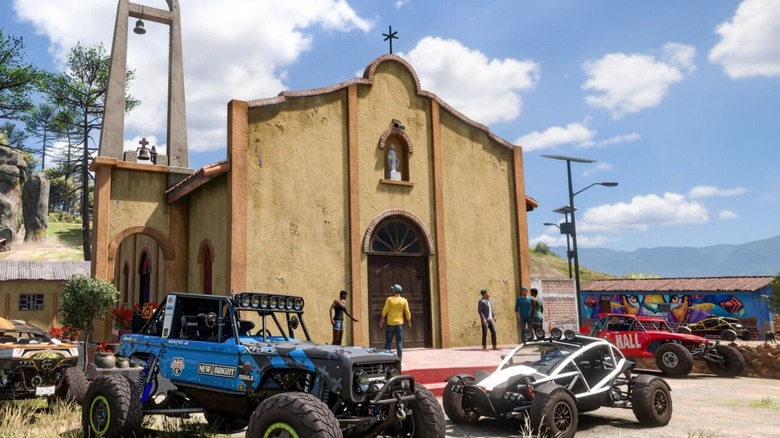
<point x="706" y="284"/>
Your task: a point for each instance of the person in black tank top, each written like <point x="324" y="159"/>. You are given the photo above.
<point x="337" y="311"/>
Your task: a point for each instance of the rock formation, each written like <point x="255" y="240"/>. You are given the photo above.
<point x="35" y="207"/>
<point x="12" y="168"/>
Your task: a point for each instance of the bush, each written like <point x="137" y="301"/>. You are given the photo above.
<point x="63" y="216"/>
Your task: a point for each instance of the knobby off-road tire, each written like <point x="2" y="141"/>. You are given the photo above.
<point x="674" y="360"/>
<point x="223" y="424"/>
<point x="554" y="414"/>
<point x="427" y="416"/>
<point x="73" y="386"/>
<point x="651" y="401"/>
<point x="453" y="404"/>
<point x="733" y="362"/>
<point x="728" y="335"/>
<point x="111" y="409"/>
<point x="746" y="335"/>
<point x="297" y="414"/>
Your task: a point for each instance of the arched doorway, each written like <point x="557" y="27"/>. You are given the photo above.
<point x="397" y="254"/>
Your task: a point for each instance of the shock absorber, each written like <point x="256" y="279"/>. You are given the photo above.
<point x="146" y="379"/>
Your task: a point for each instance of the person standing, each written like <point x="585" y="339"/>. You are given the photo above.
<point x="537" y="309"/>
<point x="337" y="311"/>
<point x="523" y="313"/>
<point x="487" y="316"/>
<point x="393" y="314"/>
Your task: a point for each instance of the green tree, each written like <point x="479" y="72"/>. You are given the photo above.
<point x="17" y="79"/>
<point x="773" y="299"/>
<point x="13" y="137"/>
<point x="63" y="193"/>
<point x="81" y="91"/>
<point x="41" y="122"/>
<point x="83" y="301"/>
<point x="543" y="248"/>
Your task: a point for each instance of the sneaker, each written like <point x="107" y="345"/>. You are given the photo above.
<point x="495" y="348"/>
<point x="484" y="348"/>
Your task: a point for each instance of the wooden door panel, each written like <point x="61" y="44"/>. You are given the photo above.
<point x="412" y="274"/>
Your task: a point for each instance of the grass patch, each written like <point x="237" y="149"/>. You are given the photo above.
<point x="702" y="433"/>
<point x="68" y="234"/>
<point x="765" y="403"/>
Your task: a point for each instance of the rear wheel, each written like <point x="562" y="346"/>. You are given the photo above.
<point x="728" y="335"/>
<point x="427" y="416"/>
<point x="651" y="402"/>
<point x="733" y="362"/>
<point x="453" y="404"/>
<point x="293" y="415"/>
<point x="674" y="360"/>
<point x="73" y="386"/>
<point x="555" y="414"/>
<point x="746" y="336"/>
<point x="111" y="408"/>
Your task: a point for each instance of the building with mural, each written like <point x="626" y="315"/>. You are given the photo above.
<point x="682" y="300"/>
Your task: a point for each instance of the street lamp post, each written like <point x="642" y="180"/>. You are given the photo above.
<point x="572" y="193"/>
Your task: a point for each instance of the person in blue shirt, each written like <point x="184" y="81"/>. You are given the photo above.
<point x="523" y="313"/>
<point x="537" y="311"/>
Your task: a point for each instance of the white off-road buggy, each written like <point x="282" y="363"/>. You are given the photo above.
<point x="552" y="380"/>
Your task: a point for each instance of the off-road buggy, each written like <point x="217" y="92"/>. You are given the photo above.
<point x="35" y="365"/>
<point x="237" y="360"/>
<point x="722" y="327"/>
<point x="552" y="380"/>
<point x="674" y="353"/>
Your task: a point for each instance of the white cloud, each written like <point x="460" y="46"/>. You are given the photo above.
<point x="242" y="56"/>
<point x="626" y="138"/>
<point x="597" y="168"/>
<point x="555" y="136"/>
<point x="627" y="84"/>
<point x="709" y="191"/>
<point x="486" y="90"/>
<point x="642" y="212"/>
<point x="727" y="214"/>
<point x="750" y="42"/>
<point x="401" y="3"/>
<point x="582" y="241"/>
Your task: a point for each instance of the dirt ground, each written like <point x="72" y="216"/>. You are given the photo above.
<point x="704" y="406"/>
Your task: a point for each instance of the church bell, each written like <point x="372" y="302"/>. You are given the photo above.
<point x="139" y="27"/>
<point x="143" y="154"/>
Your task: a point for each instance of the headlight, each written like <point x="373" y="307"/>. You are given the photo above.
<point x="255" y="301"/>
<point x="246" y="300"/>
<point x="393" y="372"/>
<point x="569" y="335"/>
<point x="298" y="304"/>
<point x="264" y="302"/>
<point x="273" y="302"/>
<point x="289" y="303"/>
<point x="362" y="383"/>
<point x="556" y="333"/>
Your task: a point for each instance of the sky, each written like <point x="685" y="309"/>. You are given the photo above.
<point x="676" y="101"/>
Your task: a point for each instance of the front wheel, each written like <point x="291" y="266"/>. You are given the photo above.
<point x="427" y="415"/>
<point x="294" y="415"/>
<point x="555" y="414"/>
<point x="674" y="360"/>
<point x="728" y="335"/>
<point x="111" y="408"/>
<point x="453" y="404"/>
<point x="651" y="401"/>
<point x="733" y="362"/>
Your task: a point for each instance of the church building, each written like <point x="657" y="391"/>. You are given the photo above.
<point x="356" y="186"/>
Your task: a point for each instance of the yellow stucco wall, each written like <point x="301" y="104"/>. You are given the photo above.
<point x="209" y="221"/>
<point x="297" y="207"/>
<point x="138" y="199"/>
<point x="9" y="301"/>
<point x="480" y="234"/>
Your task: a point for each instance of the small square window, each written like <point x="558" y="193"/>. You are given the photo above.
<point x="30" y="302"/>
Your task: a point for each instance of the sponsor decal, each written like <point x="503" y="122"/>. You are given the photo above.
<point x="627" y="340"/>
<point x="211" y="369"/>
<point x="46" y="355"/>
<point x="177" y="366"/>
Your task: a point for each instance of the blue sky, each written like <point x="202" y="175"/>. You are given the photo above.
<point x="678" y="101"/>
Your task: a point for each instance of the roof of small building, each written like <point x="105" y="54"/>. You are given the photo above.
<point x="703" y="284"/>
<point x="45" y="270"/>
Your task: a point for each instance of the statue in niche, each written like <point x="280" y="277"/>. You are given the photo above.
<point x="392" y="164"/>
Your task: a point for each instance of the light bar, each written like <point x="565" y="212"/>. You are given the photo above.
<point x="260" y="301"/>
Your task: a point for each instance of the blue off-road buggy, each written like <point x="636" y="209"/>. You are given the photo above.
<point x="237" y="360"/>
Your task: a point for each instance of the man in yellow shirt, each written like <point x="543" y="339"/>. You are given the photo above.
<point x="396" y="308"/>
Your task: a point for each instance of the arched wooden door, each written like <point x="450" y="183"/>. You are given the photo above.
<point x="398" y="256"/>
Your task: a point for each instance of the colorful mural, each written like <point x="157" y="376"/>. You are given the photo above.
<point x="676" y="308"/>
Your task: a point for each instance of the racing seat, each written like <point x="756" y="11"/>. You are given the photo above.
<point x="189" y="328"/>
<point x="244" y="327"/>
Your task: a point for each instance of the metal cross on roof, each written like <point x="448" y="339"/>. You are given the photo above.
<point x="143" y="142"/>
<point x="390" y="35"/>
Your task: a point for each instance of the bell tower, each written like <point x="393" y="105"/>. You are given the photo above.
<point x="112" y="132"/>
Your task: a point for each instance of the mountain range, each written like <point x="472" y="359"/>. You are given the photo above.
<point x="760" y="257"/>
